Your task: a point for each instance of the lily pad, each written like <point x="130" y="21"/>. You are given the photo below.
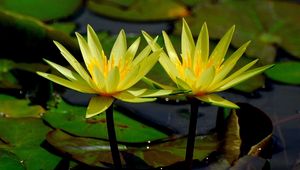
<point x="9" y="160"/>
<point x="285" y="72"/>
<point x="44" y="10"/>
<point x="265" y="23"/>
<point x="72" y="119"/>
<point x="96" y="152"/>
<point x="23" y="137"/>
<point x="31" y="37"/>
<point x="66" y="27"/>
<point x="139" y="10"/>
<point x="12" y="107"/>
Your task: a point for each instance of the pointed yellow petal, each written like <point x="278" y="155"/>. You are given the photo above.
<point x="217" y="100"/>
<point x="244" y="77"/>
<point x="113" y="79"/>
<point x="144" y="67"/>
<point x="206" y="78"/>
<point x="154" y="46"/>
<point x="170" y="49"/>
<point x="95" y="46"/>
<point x="189" y="75"/>
<point x="129" y="79"/>
<point x="119" y="48"/>
<point x="202" y="47"/>
<point x="157" y="85"/>
<point x="230" y="62"/>
<point x="99" y="79"/>
<point x="182" y="84"/>
<point x="136" y="91"/>
<point x="187" y="42"/>
<point x="232" y="76"/>
<point x="155" y="93"/>
<point x="72" y="85"/>
<point x="85" y="51"/>
<point x="130" y="53"/>
<point x="164" y="60"/>
<point x="144" y="53"/>
<point x="97" y="105"/>
<point x="73" y="62"/>
<point x="66" y="72"/>
<point x="128" y="97"/>
<point x="220" y="50"/>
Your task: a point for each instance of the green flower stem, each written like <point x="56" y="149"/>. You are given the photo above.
<point x="112" y="138"/>
<point x="192" y="134"/>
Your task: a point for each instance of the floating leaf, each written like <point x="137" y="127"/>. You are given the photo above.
<point x="32" y="38"/>
<point x="43" y="10"/>
<point x="24" y="137"/>
<point x="9" y="160"/>
<point x="285" y="72"/>
<point x="96" y="152"/>
<point x="12" y="107"/>
<point x="139" y="10"/>
<point x="66" y="27"/>
<point x="72" y="119"/>
<point x="265" y="23"/>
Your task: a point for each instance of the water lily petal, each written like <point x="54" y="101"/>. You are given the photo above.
<point x="73" y="62"/>
<point x="217" y="100"/>
<point x="95" y="46"/>
<point x="170" y="49"/>
<point x="220" y="50"/>
<point x="113" y="79"/>
<point x="187" y="44"/>
<point x="232" y="76"/>
<point x="66" y="72"/>
<point x="119" y="48"/>
<point x="99" y="79"/>
<point x="85" y="51"/>
<point x="155" y="93"/>
<point x="97" y="105"/>
<point x="206" y="78"/>
<point x="130" y="53"/>
<point x="156" y="85"/>
<point x="182" y="84"/>
<point x="164" y="60"/>
<point x="136" y="91"/>
<point x="145" y="66"/>
<point x="129" y="79"/>
<point x="202" y="48"/>
<point x="244" y="76"/>
<point x="144" y="53"/>
<point x="128" y="97"/>
<point x="72" y="85"/>
<point x="230" y="62"/>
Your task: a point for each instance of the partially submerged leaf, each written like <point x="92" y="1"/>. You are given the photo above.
<point x="139" y="10"/>
<point x="12" y="107"/>
<point x="31" y="37"/>
<point x="96" y="152"/>
<point x="72" y="119"/>
<point x="285" y="72"/>
<point x="43" y="10"/>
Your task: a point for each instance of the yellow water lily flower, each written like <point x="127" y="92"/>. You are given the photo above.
<point x="109" y="78"/>
<point x="202" y="73"/>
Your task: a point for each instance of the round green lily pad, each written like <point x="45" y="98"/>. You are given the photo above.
<point x="42" y="9"/>
<point x="285" y="72"/>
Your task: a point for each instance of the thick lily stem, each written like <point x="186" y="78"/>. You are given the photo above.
<point x="112" y="138"/>
<point x="191" y="134"/>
